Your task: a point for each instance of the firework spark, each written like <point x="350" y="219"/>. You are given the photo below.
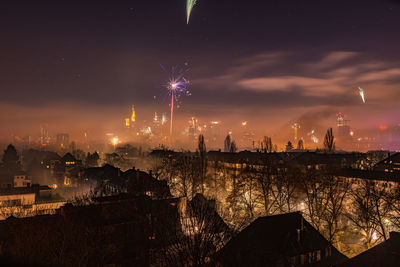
<point x="189" y="6"/>
<point x="362" y="94"/>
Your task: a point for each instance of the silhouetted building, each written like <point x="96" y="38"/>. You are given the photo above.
<point x="280" y="240"/>
<point x="44" y="135"/>
<point x="385" y="254"/>
<point x="342" y="126"/>
<point x="62" y="141"/>
<point x="107" y="232"/>
<point x="390" y="164"/>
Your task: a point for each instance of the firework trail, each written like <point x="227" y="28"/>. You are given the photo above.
<point x="189" y="6"/>
<point x="362" y="94"/>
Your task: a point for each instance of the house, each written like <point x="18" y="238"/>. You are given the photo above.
<point x="385" y="254"/>
<point x="21" y="179"/>
<point x="112" y="180"/>
<point x="280" y="240"/>
<point x="142" y="183"/>
<point x="29" y="200"/>
<point x="70" y="161"/>
<point x="113" y="232"/>
<point x="389" y="164"/>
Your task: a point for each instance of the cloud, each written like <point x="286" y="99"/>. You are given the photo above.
<point x="309" y="86"/>
<point x="386" y="76"/>
<point x="333" y="58"/>
<point x="332" y="75"/>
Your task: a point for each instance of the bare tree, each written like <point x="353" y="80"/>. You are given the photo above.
<point x="329" y="141"/>
<point x="289" y="146"/>
<point x="393" y="202"/>
<point x="187" y="180"/>
<point x="314" y="203"/>
<point x="200" y="233"/>
<point x="368" y="212"/>
<point x="284" y="188"/>
<point x="203" y="161"/>
<point x="245" y="195"/>
<point x="335" y="194"/>
<point x="265" y="178"/>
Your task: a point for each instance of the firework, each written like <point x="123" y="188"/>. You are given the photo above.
<point x="313" y="137"/>
<point x="177" y="86"/>
<point x="362" y="94"/>
<point x="189" y="6"/>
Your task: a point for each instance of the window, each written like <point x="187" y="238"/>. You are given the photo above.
<point x="327" y="252"/>
<point x="302" y="259"/>
<point x="11" y="203"/>
<point x="318" y="255"/>
<point x="293" y="260"/>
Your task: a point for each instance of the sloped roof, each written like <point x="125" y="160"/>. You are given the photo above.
<point x="270" y="239"/>
<point x="394" y="158"/>
<point x="68" y="157"/>
<point x="385" y="254"/>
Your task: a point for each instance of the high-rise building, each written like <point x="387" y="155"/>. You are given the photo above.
<point x="342" y="125"/>
<point x="156" y="126"/>
<point x="130" y="121"/>
<point x="127" y="122"/>
<point x="133" y="116"/>
<point x="62" y="141"/>
<point x="192" y="129"/>
<point x="247" y="139"/>
<point x="213" y="133"/>
<point x="44" y="135"/>
<point x="296" y="128"/>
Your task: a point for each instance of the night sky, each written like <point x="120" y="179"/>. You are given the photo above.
<point x="79" y="65"/>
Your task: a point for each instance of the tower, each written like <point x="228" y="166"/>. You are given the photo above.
<point x="127" y="122"/>
<point x="62" y="141"/>
<point x="296" y="128"/>
<point x="342" y="125"/>
<point x="44" y="135"/>
<point x="133" y="117"/>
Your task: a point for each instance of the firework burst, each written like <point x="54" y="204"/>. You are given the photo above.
<point x="177" y="86"/>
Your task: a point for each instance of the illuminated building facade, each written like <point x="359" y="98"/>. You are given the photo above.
<point x="213" y="133"/>
<point x="62" y="141"/>
<point x="130" y="121"/>
<point x="133" y="116"/>
<point x="247" y="136"/>
<point x="296" y="128"/>
<point x="44" y="135"/>
<point x="192" y="129"/>
<point x="343" y="129"/>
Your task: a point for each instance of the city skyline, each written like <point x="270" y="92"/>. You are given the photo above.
<point x="283" y="63"/>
